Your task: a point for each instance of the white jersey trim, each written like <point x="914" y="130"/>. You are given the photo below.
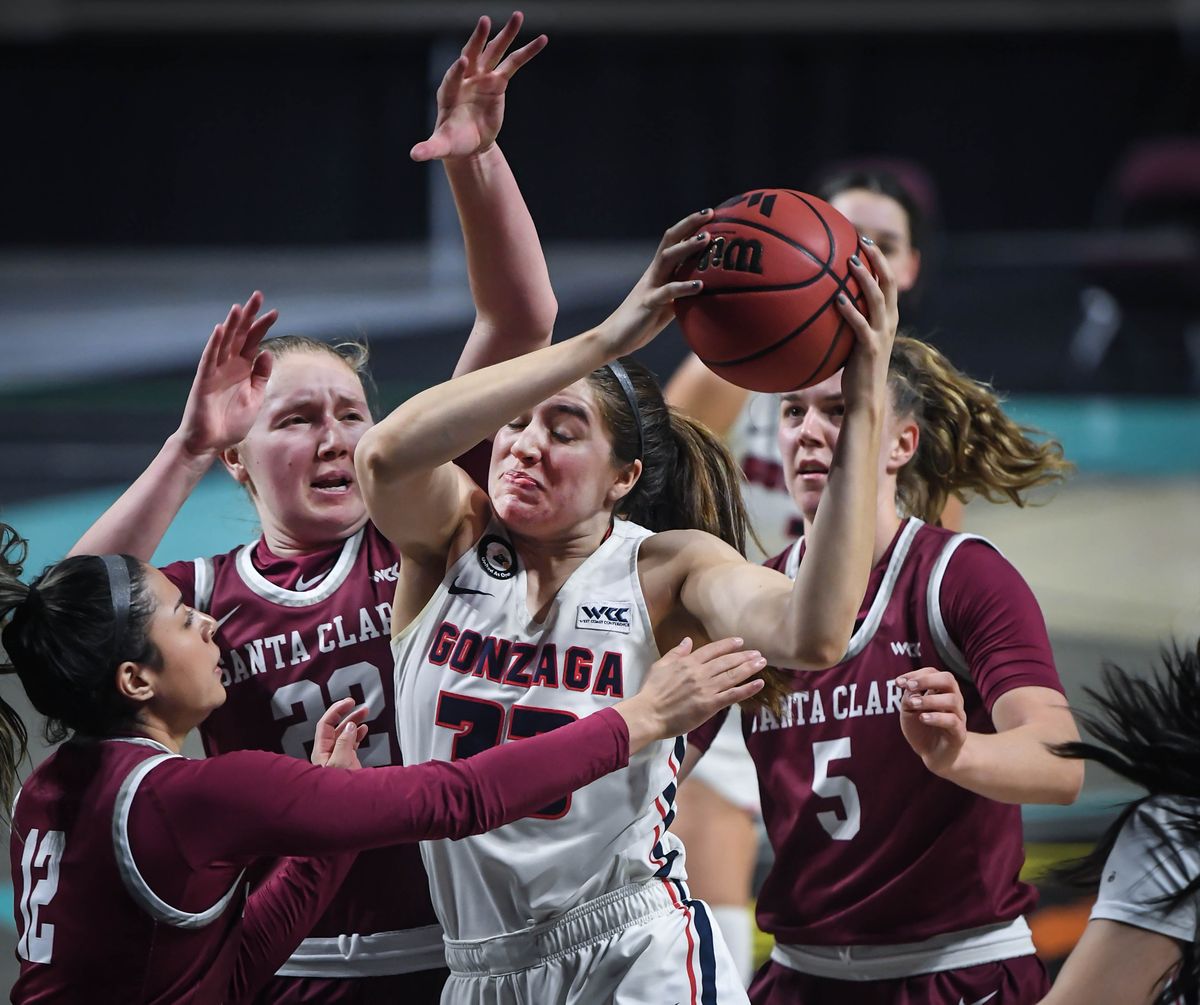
<point x="131" y="876"/>
<point x="952" y="951"/>
<point x="946" y="646"/>
<point x="883" y="596"/>
<point x="866" y="631"/>
<point x="378" y="955"/>
<point x="203" y="583"/>
<point x="263" y="587"/>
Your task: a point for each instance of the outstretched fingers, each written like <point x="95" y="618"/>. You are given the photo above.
<point x="475" y="44"/>
<point x="522" y="56"/>
<point x="496" y="48"/>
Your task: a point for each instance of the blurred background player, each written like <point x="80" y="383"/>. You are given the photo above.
<point x="891" y="783"/>
<point x="303" y="614"/>
<point x="117" y="823"/>
<point x="719" y="810"/>
<point x="1142" y="943"/>
<point x="586" y="545"/>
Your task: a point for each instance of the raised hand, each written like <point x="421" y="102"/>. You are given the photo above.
<point x="227" y="391"/>
<point x="686" y="688"/>
<point x="339" y="732"/>
<point x="932" y="716"/>
<point x="650" y="305"/>
<point x="865" y="376"/>
<point x="470" y="100"/>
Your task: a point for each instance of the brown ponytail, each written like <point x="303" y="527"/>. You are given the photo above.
<point x="968" y="445"/>
<point x="689" y="480"/>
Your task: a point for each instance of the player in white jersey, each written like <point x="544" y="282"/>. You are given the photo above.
<point x="549" y="595"/>
<point x="1142" y="943"/>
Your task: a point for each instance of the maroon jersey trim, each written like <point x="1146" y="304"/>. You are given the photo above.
<point x="257" y="583"/>
<point x="946" y="646"/>
<point x="131" y="876"/>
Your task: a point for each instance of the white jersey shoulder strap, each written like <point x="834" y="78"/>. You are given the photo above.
<point x="202" y="572"/>
<point x="131" y="876"/>
<point x="883" y="596"/>
<point x="946" y="646"/>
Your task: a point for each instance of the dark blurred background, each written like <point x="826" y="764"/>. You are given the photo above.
<point x="162" y="158"/>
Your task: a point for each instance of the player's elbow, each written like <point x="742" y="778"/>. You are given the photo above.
<point x="1069" y="783"/>
<point x="816" y="653"/>
<point x="373" y="462"/>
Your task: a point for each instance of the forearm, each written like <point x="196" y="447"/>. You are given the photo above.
<point x="1016" y="766"/>
<point x="444" y="421"/>
<point x="280" y="913"/>
<point x="137" y="521"/>
<point x="514" y="301"/>
<point x="832" y="579"/>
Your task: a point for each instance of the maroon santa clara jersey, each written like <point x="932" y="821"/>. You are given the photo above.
<point x="128" y="860"/>
<point x="871" y="848"/>
<point x="297" y="634"/>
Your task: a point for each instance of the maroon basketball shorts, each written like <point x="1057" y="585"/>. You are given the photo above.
<point x="424" y="988"/>
<point x="1019" y="981"/>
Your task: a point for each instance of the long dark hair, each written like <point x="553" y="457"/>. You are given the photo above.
<point x="689" y="478"/>
<point x="60" y="638"/>
<point x="1148" y="731"/>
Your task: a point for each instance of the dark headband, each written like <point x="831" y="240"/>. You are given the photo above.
<point x="617" y="369"/>
<point x="122" y="594"/>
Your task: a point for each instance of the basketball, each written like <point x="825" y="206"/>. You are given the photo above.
<point x="767" y="318"/>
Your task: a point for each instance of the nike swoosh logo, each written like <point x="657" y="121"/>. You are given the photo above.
<point x="228" y="614"/>
<point x="987" y="998"/>
<point x="457" y="591"/>
<point x="304" y="584"/>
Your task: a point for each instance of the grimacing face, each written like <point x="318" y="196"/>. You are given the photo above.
<point x="298" y="458"/>
<point x="552" y="470"/>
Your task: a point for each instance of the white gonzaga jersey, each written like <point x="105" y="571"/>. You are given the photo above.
<point x="475" y="669"/>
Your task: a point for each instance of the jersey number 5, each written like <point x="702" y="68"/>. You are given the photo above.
<point x="42" y="851"/>
<point x="479" y="724"/>
<point x="845" y="826"/>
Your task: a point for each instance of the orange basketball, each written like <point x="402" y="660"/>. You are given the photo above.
<point x="767" y="318"/>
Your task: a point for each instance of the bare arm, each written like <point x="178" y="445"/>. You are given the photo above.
<point x="226" y="395"/>
<point x="413" y="493"/>
<point x="1114" y="964"/>
<point x="806" y="625"/>
<point x="696" y="391"/>
<point x="1012" y="765"/>
<point x="515" y="305"/>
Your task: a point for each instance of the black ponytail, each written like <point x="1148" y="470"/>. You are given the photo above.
<point x="14" y="737"/>
<point x="64" y="641"/>
<point x="1149" y="733"/>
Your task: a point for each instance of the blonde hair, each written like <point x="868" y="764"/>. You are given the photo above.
<point x="353" y="353"/>
<point x="967" y="445"/>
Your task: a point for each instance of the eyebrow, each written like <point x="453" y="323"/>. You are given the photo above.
<point x="178" y="603"/>
<point x="795" y="398"/>
<point x="576" y="411"/>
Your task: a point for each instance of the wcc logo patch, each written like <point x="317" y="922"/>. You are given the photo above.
<point x="610" y="617"/>
<point x="497" y="557"/>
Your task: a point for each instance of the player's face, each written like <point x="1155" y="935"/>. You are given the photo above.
<point x="298" y="458"/>
<point x="810" y="421"/>
<point x="884" y="221"/>
<point x="188" y="686"/>
<point x="552" y="469"/>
